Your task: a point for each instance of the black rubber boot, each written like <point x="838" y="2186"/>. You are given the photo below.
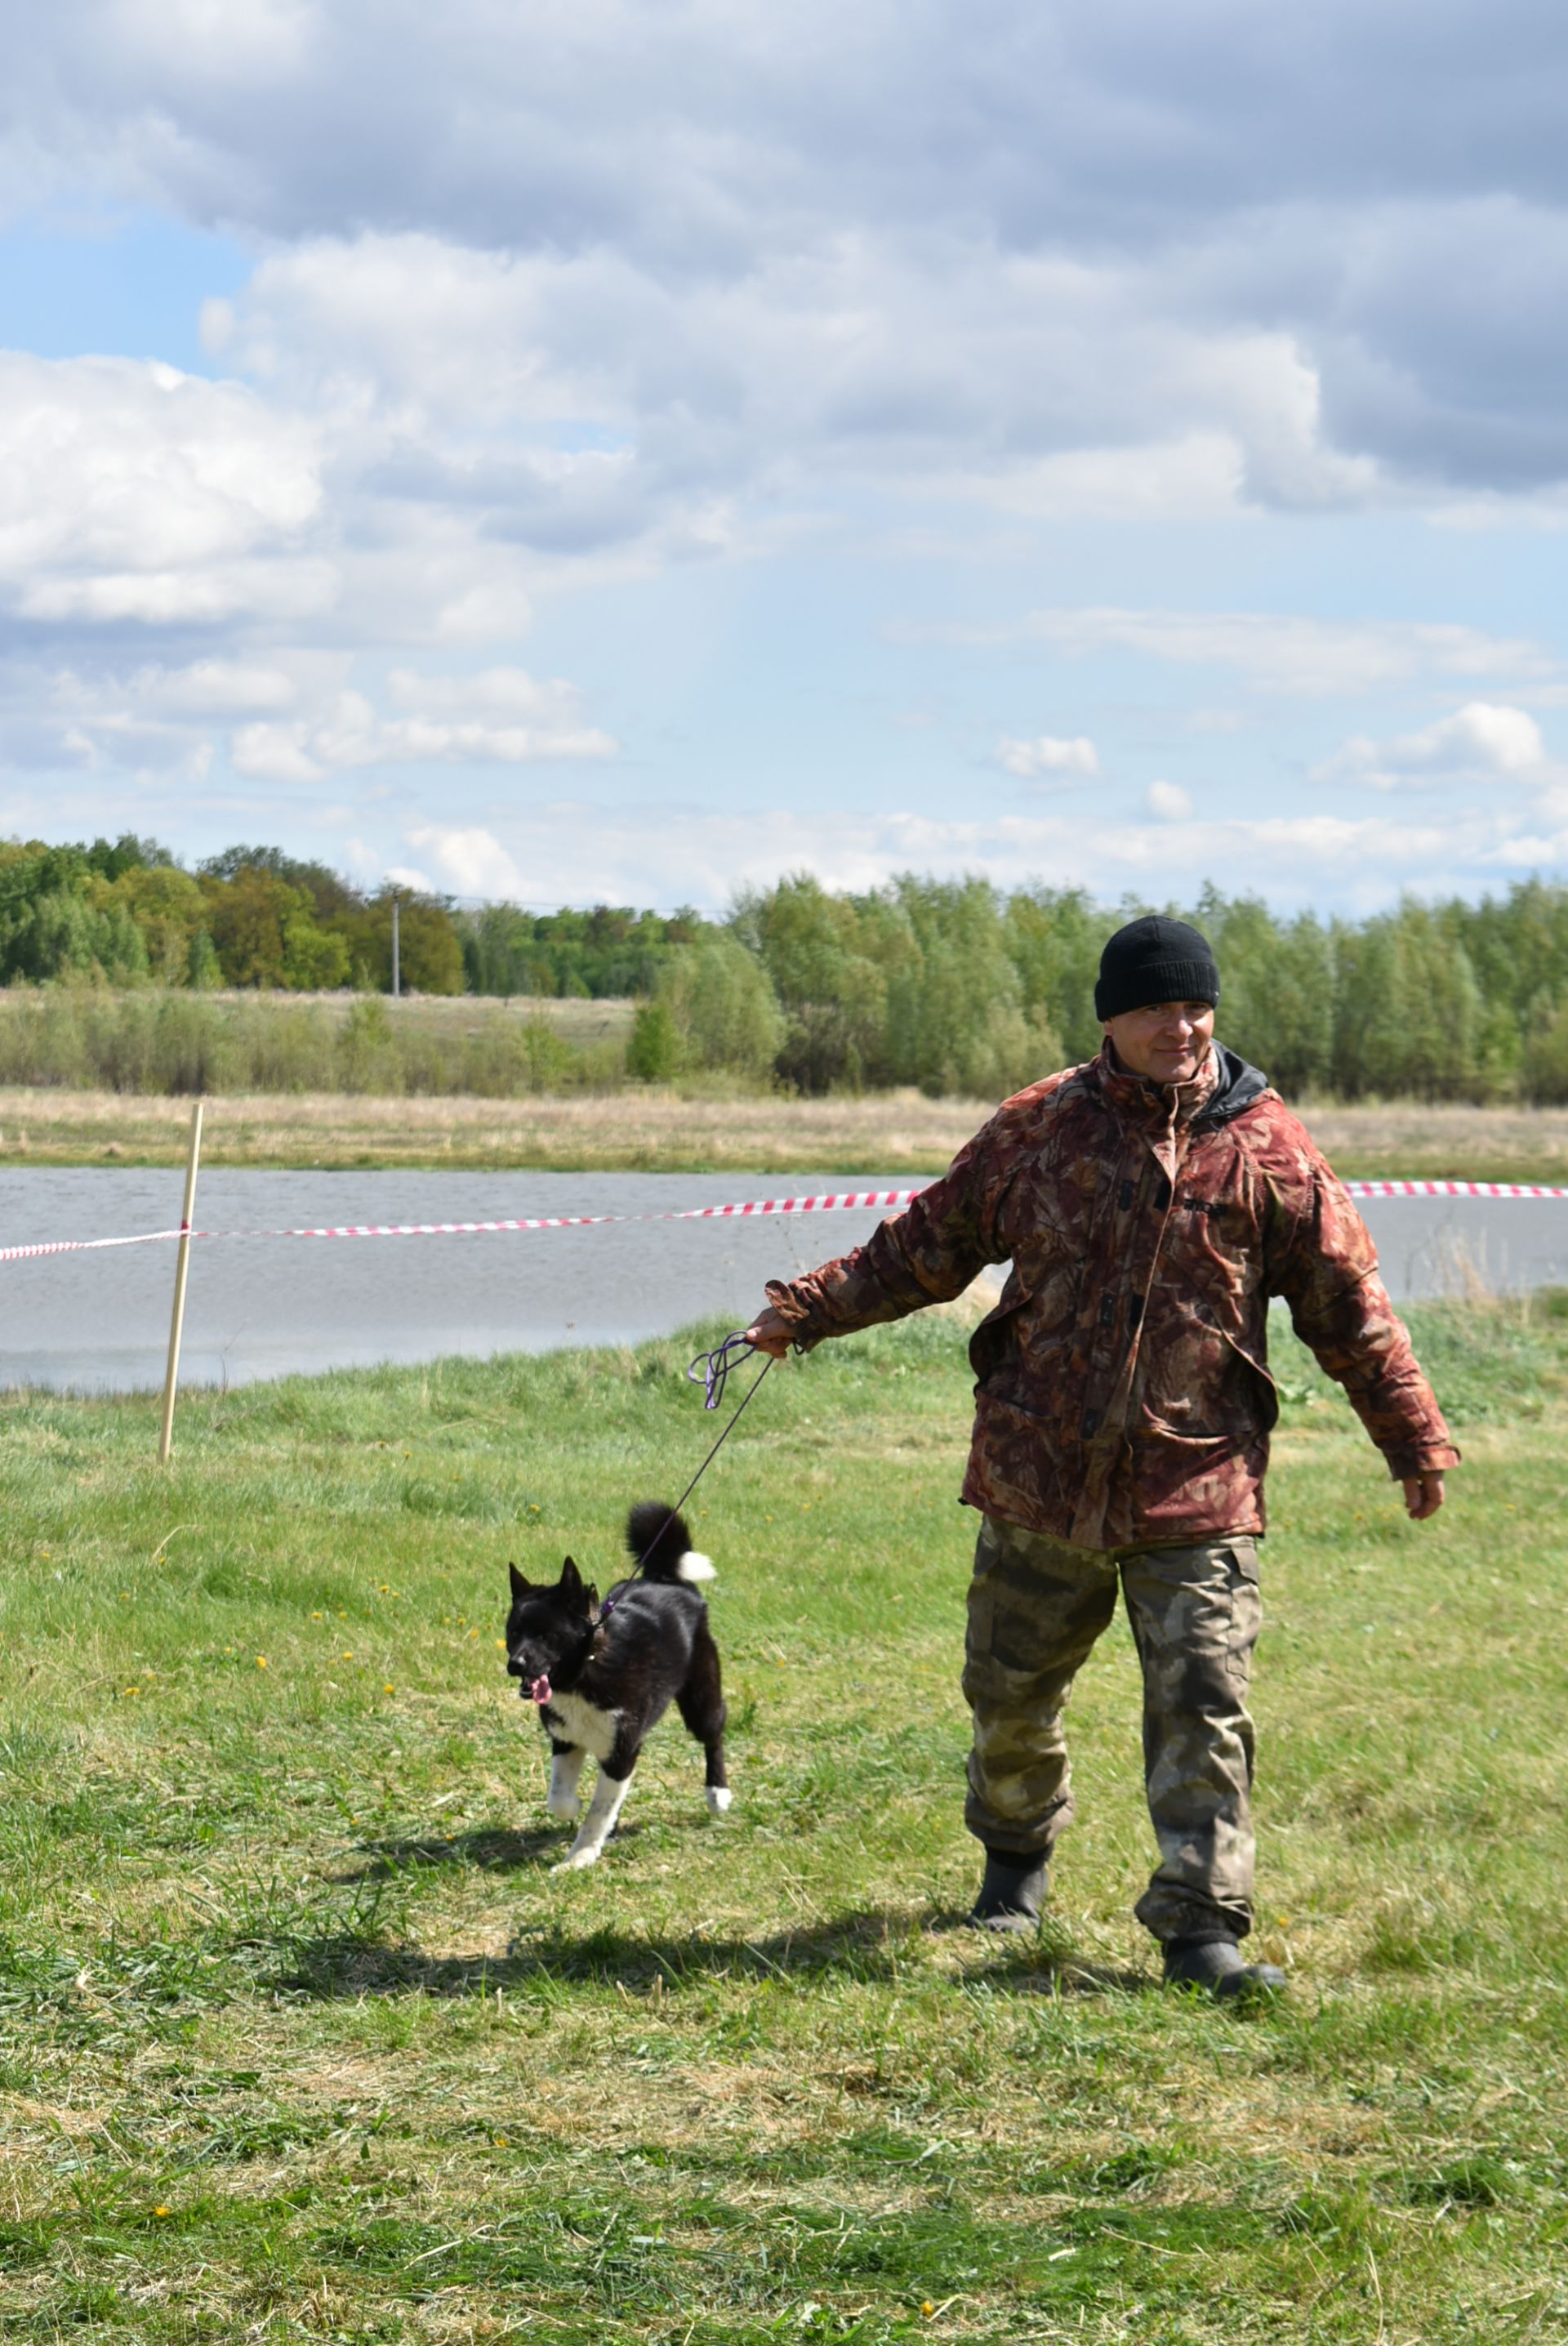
<point x="1011" y="1894"/>
<point x="1216" y="1966"/>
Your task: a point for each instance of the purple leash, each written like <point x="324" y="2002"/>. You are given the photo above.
<point x="712" y="1371"/>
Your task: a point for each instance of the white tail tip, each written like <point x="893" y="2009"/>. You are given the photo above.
<point x="693" y="1566"/>
<point x="717" y="1799"/>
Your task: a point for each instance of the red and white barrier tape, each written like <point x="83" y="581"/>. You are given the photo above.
<point x="1451" y="1189"/>
<point x="835" y="1201"/>
<point x="84" y="1246"/>
<point x="831" y="1202"/>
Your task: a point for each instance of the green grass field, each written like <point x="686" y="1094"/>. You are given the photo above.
<point x="299" y="2037"/>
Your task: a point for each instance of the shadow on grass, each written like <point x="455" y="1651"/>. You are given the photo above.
<point x="491" y="1851"/>
<point x="864" y="1946"/>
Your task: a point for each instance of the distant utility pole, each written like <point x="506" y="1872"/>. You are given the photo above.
<point x="397" y="974"/>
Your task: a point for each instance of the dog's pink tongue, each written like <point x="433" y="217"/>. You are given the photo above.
<point x="539" y="1691"/>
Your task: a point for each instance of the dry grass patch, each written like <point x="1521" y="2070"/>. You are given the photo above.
<point x="636" y="1130"/>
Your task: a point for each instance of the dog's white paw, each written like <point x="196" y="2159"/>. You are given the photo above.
<point x="575" y="1861"/>
<point x="566" y="1806"/>
<point x="719" y="1799"/>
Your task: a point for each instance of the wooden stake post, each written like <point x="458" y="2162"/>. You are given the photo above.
<point x="182" y="1266"/>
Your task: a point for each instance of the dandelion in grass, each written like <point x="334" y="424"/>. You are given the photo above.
<point x="261" y="1661"/>
<point x="389" y="1689"/>
<point x="160" y="2211"/>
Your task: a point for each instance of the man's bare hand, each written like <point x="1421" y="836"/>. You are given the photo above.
<point x="768" y="1333"/>
<point x="1423" y="1497"/>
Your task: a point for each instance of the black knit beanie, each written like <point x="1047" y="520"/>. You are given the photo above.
<point x="1155" y="960"/>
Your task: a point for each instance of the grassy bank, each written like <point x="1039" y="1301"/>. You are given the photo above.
<point x="302" y="2039"/>
<point x="641" y="1130"/>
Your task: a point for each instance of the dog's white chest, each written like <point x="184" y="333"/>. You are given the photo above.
<point x="573" y="1720"/>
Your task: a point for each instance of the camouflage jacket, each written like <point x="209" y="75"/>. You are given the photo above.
<point x="1123" y="1392"/>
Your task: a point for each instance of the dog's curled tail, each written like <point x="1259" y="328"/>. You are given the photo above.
<point x="661" y="1542"/>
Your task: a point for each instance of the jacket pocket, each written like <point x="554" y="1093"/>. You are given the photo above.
<point x="996" y="1338"/>
<point x="1191" y="1488"/>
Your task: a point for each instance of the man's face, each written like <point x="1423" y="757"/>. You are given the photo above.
<point x="1165" y="1041"/>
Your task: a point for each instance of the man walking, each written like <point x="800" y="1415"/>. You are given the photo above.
<point x="1150" y="1204"/>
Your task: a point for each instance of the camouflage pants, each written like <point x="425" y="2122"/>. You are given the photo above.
<point x="1035" y="1608"/>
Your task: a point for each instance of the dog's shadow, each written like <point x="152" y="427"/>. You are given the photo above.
<point x="489" y="1850"/>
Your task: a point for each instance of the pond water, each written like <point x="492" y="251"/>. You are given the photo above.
<point x="264" y="1308"/>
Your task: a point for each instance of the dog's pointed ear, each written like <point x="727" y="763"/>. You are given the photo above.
<point x="520" y="1583"/>
<point x="574" y="1589"/>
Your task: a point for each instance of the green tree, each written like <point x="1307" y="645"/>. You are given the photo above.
<point x="1276" y="989"/>
<point x="1409" y="1011"/>
<point x="955" y="1017"/>
<point x="315" y="960"/>
<point x="1543" y="1058"/>
<point x="725" y="1012"/>
<point x="204" y="970"/>
<point x="430" y="952"/>
<point x="833" y="995"/>
<point x="653" y="1051"/>
<point x="368" y="1055"/>
<point x="501" y="954"/>
<point x="1053" y="938"/>
<point x="246" y="915"/>
<point x="168" y="907"/>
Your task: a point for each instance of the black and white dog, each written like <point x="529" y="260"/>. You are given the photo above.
<point x="602" y="1675"/>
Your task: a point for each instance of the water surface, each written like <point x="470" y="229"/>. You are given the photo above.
<point x="263" y="1307"/>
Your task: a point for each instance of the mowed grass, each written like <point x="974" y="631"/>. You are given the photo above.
<point x="301" y="2038"/>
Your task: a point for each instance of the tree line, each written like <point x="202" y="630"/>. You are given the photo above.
<point x="953" y="986"/>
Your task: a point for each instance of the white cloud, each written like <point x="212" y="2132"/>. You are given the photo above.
<point x="1481" y="742"/>
<point x="1033" y="380"/>
<point x="1276" y="653"/>
<point x="1221" y="265"/>
<point x="494" y="691"/>
<point x="133" y="492"/>
<point x="1167" y="802"/>
<point x="1048" y="756"/>
<point x="472" y="861"/>
<point x="576" y="851"/>
<point x="591" y="303"/>
<point x="216" y="688"/>
<point x="546" y="724"/>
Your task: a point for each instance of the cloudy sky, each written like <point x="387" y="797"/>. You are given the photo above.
<point x="631" y="447"/>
